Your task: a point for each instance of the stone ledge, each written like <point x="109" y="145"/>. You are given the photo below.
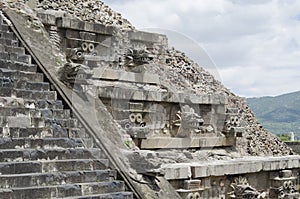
<point x="71" y="23"/>
<point x="145" y="36"/>
<point x="65" y="22"/>
<point x="158" y="96"/>
<point x="183" y="143"/>
<point x="231" y="167"/>
<point x="114" y="75"/>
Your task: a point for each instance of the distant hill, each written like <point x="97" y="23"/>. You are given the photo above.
<point x="280" y="114"/>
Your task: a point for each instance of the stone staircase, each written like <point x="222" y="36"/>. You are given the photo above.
<point x="42" y="153"/>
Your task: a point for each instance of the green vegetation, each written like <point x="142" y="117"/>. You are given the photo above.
<point x="280" y="114"/>
<point x="284" y="137"/>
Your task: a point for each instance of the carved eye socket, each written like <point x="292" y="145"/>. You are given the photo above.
<point x="290" y="184"/>
<point x="139" y="117"/>
<point x="285" y="184"/>
<point x="190" y="196"/>
<point x="196" y="195"/>
<point x="91" y="47"/>
<point x="84" y="46"/>
<point x="132" y="117"/>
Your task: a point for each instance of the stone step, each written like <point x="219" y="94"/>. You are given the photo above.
<point x="48" y="122"/>
<point x="68" y="190"/>
<point x="28" y="94"/>
<point x="116" y="195"/>
<point x="56" y="178"/>
<point x="7" y="35"/>
<point x="24" y="85"/>
<point x="13" y="102"/>
<point x="19" y="66"/>
<point x="44" y="132"/>
<point x="7" y="155"/>
<point x="45" y="143"/>
<point x="4" y="27"/>
<point x="58" y="114"/>
<point x="48" y="104"/>
<point x="15" y="57"/>
<point x="19" y="75"/>
<point x="44" y="166"/>
<point x="36" y="122"/>
<point x="12" y="49"/>
<point x="9" y="42"/>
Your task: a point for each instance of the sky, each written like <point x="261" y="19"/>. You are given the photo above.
<point x="254" y="45"/>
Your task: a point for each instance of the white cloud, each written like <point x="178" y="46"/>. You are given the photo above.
<point x="255" y="44"/>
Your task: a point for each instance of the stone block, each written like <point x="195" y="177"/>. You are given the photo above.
<point x="146" y="77"/>
<point x="73" y="165"/>
<point x="105" y="30"/>
<point x="37" y="86"/>
<point x="77" y="24"/>
<point x="205" y="99"/>
<point x="4" y="55"/>
<point x="294" y="163"/>
<point x="9" y="42"/>
<point x="22" y="122"/>
<point x="217" y="170"/>
<point x="155" y="96"/>
<point x="51" y="19"/>
<point x="87" y="36"/>
<point x="17" y="50"/>
<point x="255" y="167"/>
<point x="26" y="94"/>
<point x="283" y="164"/>
<point x="24" y="67"/>
<point x="228" y="169"/>
<point x="5" y="92"/>
<point x="51" y="104"/>
<point x="61" y="114"/>
<point x="200" y="171"/>
<point x="177" y="171"/>
<point x="20" y="167"/>
<point x="144" y="36"/>
<point x="36" y="192"/>
<point x="63" y="22"/>
<point x="24" y="58"/>
<point x="34" y="77"/>
<point x="43" y="17"/>
<point x="4" y="27"/>
<point x="275" y="165"/>
<point x="72" y="34"/>
<point x="30" y="132"/>
<point x="89" y="27"/>
<point x="38" y="122"/>
<point x="177" y="143"/>
<point x="7" y="35"/>
<point x="138" y="95"/>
